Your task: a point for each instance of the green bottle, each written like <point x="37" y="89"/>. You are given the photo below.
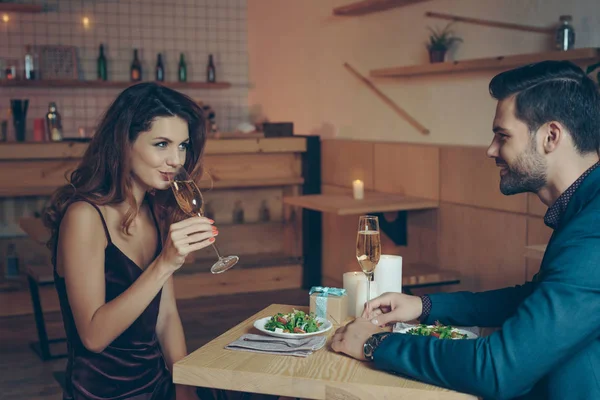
<point x="182" y="69"/>
<point x="102" y="73"/>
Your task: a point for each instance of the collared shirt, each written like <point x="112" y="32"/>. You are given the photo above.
<point x="556" y="211"/>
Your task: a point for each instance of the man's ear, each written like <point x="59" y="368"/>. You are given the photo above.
<point x="553" y="134"/>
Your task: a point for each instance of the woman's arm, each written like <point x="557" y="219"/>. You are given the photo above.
<point x="168" y="327"/>
<point x="81" y="245"/>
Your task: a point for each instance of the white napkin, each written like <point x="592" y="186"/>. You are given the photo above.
<point x="302" y="347"/>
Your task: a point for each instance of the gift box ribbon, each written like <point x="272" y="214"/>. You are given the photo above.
<point x="321" y="300"/>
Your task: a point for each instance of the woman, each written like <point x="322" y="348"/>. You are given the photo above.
<point x="113" y="265"/>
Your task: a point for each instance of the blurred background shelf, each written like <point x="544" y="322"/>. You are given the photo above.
<point x="371" y="6"/>
<point x="480" y="64"/>
<point x="78" y="84"/>
<point x="21" y="8"/>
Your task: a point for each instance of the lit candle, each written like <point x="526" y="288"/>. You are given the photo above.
<point x="358" y="189"/>
<point x="351" y="280"/>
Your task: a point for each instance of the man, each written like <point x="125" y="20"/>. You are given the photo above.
<point x="546" y="140"/>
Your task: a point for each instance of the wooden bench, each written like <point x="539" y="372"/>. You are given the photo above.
<point x="41" y="275"/>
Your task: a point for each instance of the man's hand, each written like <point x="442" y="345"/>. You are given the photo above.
<point x="351" y="338"/>
<point x="390" y="308"/>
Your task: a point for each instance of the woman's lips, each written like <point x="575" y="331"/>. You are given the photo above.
<point x="166" y="176"/>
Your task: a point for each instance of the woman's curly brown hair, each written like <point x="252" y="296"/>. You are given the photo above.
<point x="103" y="175"/>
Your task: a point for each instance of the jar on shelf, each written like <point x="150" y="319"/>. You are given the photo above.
<point x="238" y="213"/>
<point x="565" y="34"/>
<point x="264" y="214"/>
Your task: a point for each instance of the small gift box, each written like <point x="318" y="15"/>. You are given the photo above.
<point x="329" y="303"/>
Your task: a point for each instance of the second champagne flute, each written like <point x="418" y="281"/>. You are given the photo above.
<point x="368" y="247"/>
<point x="191" y="202"/>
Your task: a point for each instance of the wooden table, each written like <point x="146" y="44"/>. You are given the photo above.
<point x="323" y="375"/>
<point x="345" y="204"/>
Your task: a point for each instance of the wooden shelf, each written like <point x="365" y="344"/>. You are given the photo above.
<point x="13" y="151"/>
<point x="480" y="64"/>
<point x="204" y="185"/>
<point x="372" y="203"/>
<point x="535" y="252"/>
<point x="250" y="183"/>
<point x="78" y="84"/>
<point x="20" y="8"/>
<point x="371" y="6"/>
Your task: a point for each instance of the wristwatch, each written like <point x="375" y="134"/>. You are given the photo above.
<point x="372" y="343"/>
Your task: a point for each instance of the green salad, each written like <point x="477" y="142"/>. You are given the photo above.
<point x="438" y="330"/>
<point x="294" y="322"/>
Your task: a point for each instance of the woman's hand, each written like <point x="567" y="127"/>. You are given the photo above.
<point x="187" y="236"/>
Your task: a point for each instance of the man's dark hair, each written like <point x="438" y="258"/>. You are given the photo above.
<point x="554" y="91"/>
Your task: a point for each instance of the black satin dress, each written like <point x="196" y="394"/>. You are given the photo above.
<point x="132" y="366"/>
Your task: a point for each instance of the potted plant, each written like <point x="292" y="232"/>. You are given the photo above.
<point x="439" y="43"/>
<point x="592" y="68"/>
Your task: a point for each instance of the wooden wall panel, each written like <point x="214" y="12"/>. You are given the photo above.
<point x="469" y="177"/>
<point x="187" y="286"/>
<point x="535" y="205"/>
<point x="485" y="246"/>
<point x="339" y="241"/>
<point x="21" y="178"/>
<point x="537" y="233"/>
<point x="413" y="170"/>
<point x="252" y="166"/>
<point x="343" y="161"/>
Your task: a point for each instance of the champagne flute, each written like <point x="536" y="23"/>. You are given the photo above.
<point x="368" y="247"/>
<point x="190" y="200"/>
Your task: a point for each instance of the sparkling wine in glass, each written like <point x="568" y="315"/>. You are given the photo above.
<point x="368" y="247"/>
<point x="190" y="200"/>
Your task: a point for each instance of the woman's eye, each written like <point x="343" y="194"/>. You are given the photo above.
<point x="184" y="146"/>
<point x="161" y="144"/>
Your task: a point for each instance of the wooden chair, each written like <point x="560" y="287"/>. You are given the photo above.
<point x="39" y="275"/>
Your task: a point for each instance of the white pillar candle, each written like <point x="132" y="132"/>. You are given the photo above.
<point x="361" y="295"/>
<point x="388" y="274"/>
<point x="350" y="281"/>
<point x="358" y="189"/>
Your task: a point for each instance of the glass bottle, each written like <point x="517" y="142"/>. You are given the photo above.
<point x="238" y="213"/>
<point x="208" y="211"/>
<point x="160" y="69"/>
<point x="182" y="70"/>
<point x="102" y="70"/>
<point x="29" y="64"/>
<point x="565" y="34"/>
<point x="136" y="68"/>
<point x="54" y="123"/>
<point x="264" y="214"/>
<point x="211" y="74"/>
<point x="11" y="265"/>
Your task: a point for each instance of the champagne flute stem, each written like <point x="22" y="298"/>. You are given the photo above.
<point x="217" y="251"/>
<point x="213" y="245"/>
<point x="368" y="289"/>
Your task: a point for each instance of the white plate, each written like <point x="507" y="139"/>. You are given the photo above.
<point x="470" y="335"/>
<point x="260" y="325"/>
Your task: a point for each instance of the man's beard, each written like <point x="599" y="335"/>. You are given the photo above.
<point x="527" y="174"/>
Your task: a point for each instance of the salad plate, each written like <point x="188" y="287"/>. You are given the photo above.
<point x="296" y="324"/>
<point x="440" y="331"/>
